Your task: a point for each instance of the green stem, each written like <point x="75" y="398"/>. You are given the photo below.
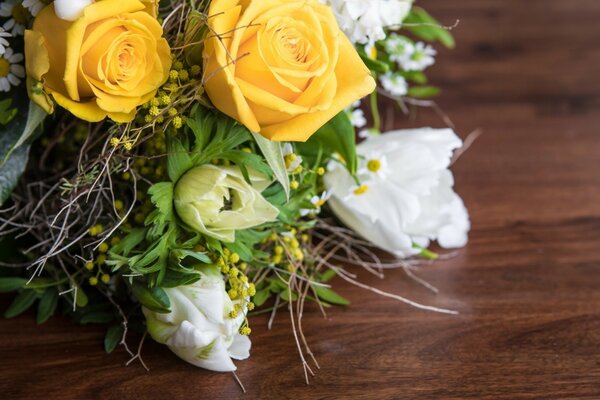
<point x="375" y="112"/>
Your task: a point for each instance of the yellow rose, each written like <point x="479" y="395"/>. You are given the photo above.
<point x="282" y="68"/>
<point x="107" y="62"/>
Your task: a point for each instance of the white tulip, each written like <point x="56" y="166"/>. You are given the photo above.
<point x="199" y="329"/>
<point x="406" y="197"/>
<point x="70" y="10"/>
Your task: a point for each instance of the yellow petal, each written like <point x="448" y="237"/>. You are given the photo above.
<point x="354" y="81"/>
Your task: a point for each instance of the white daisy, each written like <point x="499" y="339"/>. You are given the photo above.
<point x="374" y="165"/>
<point x="394" y="83"/>
<point x="422" y="56"/>
<point x="3" y="41"/>
<point x="10" y="70"/>
<point x="317" y="202"/>
<point x="35" y="6"/>
<point x="17" y="16"/>
<point x="292" y="160"/>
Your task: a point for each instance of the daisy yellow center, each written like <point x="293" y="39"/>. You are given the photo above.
<point x="4" y="67"/>
<point x="320" y="202"/>
<point x="19" y="14"/>
<point x="374" y="165"/>
<point x="362" y="189"/>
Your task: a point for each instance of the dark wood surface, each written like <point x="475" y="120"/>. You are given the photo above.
<point x="527" y="73"/>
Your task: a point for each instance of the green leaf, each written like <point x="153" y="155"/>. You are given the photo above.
<point x="99" y="317"/>
<point x="248" y="160"/>
<point x="330" y="296"/>
<point x="274" y="156"/>
<point x="129" y="242"/>
<point x="35" y="117"/>
<point x="81" y="299"/>
<point x="47" y="305"/>
<point x="11" y="284"/>
<point x="424" y="26"/>
<point x="423" y="91"/>
<point x="328" y="275"/>
<point x="6" y="113"/>
<point x="285" y="295"/>
<point x="113" y="337"/>
<point x="178" y="160"/>
<point x="377" y="66"/>
<point x="20" y="304"/>
<point x="261" y="297"/>
<point x="154" y="299"/>
<point x="179" y="278"/>
<point x="19" y="131"/>
<point x="336" y="136"/>
<point x="161" y="195"/>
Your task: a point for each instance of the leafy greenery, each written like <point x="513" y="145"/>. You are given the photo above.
<point x="427" y="28"/>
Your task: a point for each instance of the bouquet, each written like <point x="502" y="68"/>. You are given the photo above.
<point x="173" y="168"/>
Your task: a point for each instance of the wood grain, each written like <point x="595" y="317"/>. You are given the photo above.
<point x="527" y="287"/>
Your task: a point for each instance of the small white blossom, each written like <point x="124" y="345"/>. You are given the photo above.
<point x="363" y="21"/>
<point x="395" y="84"/>
<point x="317" y="202"/>
<point x="292" y="160"/>
<point x="11" y="72"/>
<point x="3" y="42"/>
<point x="398" y="47"/>
<point x="17" y="16"/>
<point x="421" y="57"/>
<point x="34" y="6"/>
<point x="357" y="117"/>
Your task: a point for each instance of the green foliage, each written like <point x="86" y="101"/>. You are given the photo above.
<point x="6" y="113"/>
<point x="154" y="299"/>
<point x="274" y="156"/>
<point x="20" y="303"/>
<point x="427" y="28"/>
<point x="330" y="296"/>
<point x="47" y="305"/>
<point x="161" y="195"/>
<point x="113" y="337"/>
<point x="423" y="92"/>
<point x="10" y="284"/>
<point x="337" y="136"/>
<point x="377" y="66"/>
<point x="15" y="137"/>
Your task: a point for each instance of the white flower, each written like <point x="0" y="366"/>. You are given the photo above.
<point x="363" y="21"/>
<point x="292" y="160"/>
<point x="358" y="118"/>
<point x="70" y="10"/>
<point x="217" y="201"/>
<point x="409" y="202"/>
<point x="34" y="6"/>
<point x="17" y="16"/>
<point x="199" y="328"/>
<point x="3" y="42"/>
<point x="317" y="202"/>
<point x="394" y="83"/>
<point x="10" y="69"/>
<point x="421" y="57"/>
<point x="398" y="47"/>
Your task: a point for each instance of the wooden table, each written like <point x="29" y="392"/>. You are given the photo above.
<point x="527" y="73"/>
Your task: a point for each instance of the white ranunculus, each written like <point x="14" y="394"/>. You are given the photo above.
<point x="363" y="21"/>
<point x="198" y="329"/>
<point x="70" y="10"/>
<point x="407" y="196"/>
<point x="217" y="201"/>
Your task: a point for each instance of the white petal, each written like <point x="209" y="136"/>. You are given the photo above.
<point x="240" y="348"/>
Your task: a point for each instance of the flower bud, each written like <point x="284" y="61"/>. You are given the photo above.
<point x="217" y="201"/>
